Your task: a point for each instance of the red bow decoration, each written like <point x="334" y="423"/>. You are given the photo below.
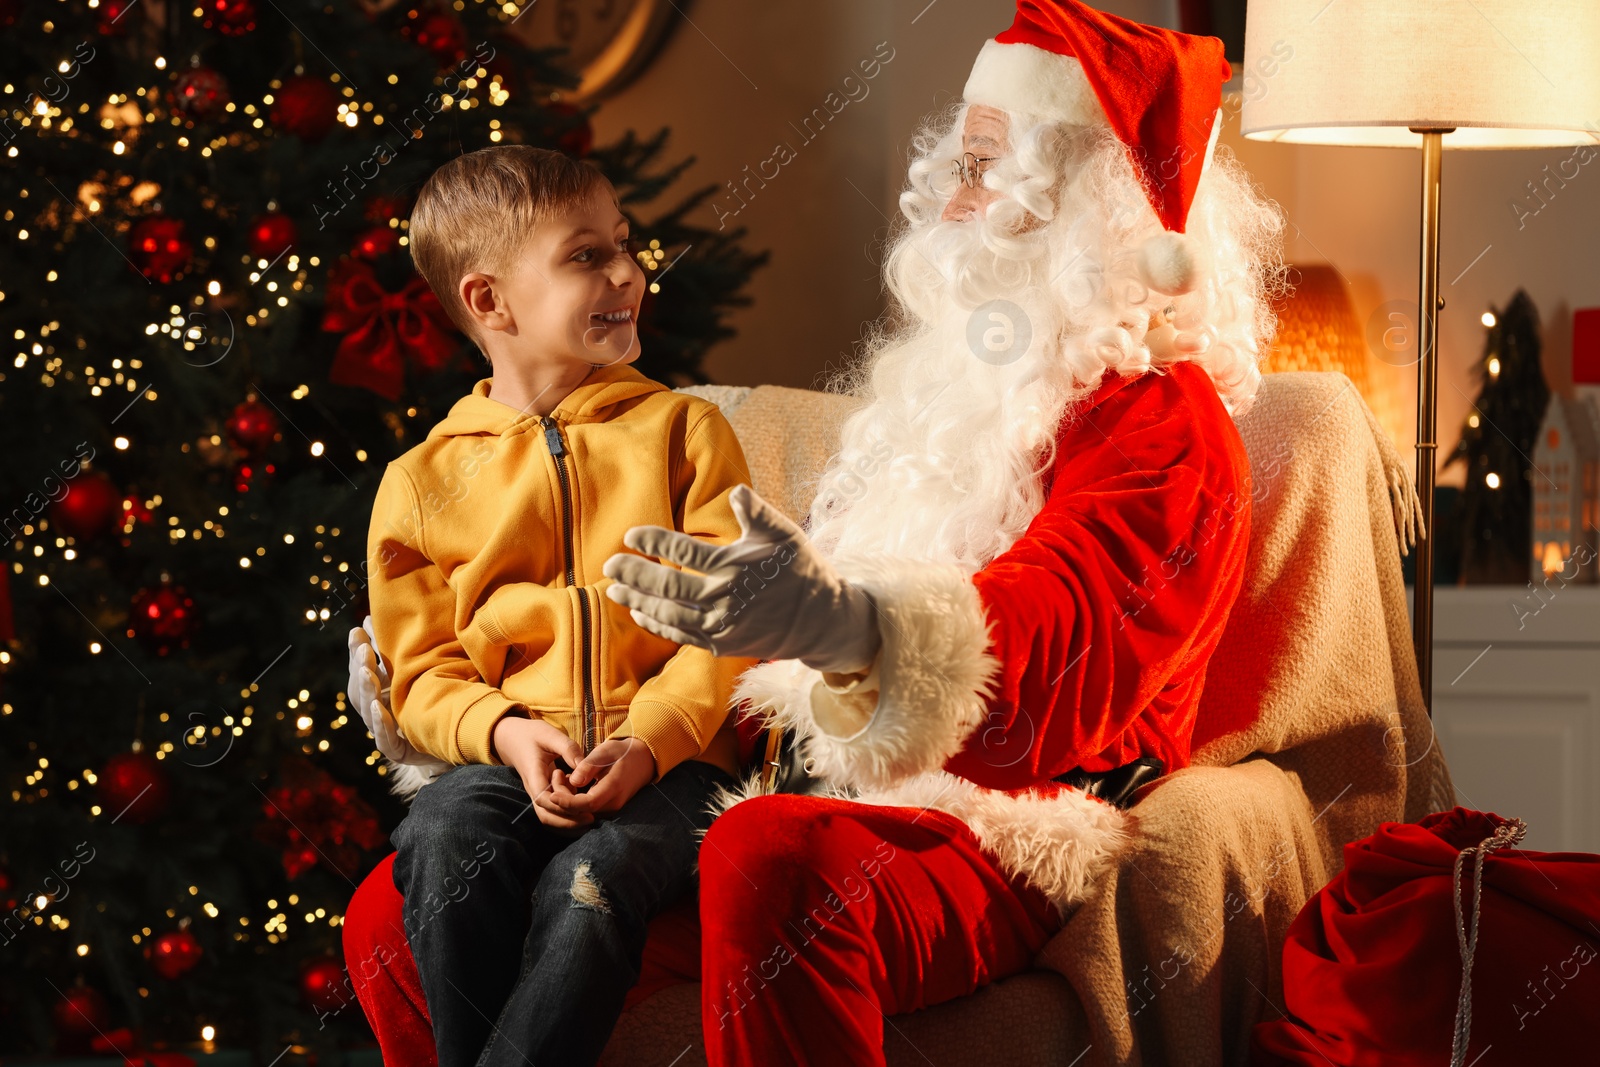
<point x="122" y="1042"/>
<point x="382" y="328"/>
<point x="311" y="816"/>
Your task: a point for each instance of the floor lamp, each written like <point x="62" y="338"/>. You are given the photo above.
<point x="1457" y="74"/>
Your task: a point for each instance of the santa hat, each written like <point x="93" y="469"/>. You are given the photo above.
<point x="1160" y="91"/>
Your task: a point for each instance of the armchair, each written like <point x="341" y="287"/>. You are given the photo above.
<point x="1177" y="955"/>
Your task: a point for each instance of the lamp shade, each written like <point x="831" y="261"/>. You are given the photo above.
<point x="1501" y="73"/>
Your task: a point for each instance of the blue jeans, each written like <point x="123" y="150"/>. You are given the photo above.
<point x="527" y="938"/>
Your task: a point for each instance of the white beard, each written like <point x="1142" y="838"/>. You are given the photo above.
<point x="944" y="461"/>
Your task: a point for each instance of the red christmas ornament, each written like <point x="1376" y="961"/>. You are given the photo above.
<point x="568" y="128"/>
<point x="252" y="427"/>
<point x="133" y="787"/>
<point x="307" y="107"/>
<point x="251" y="472"/>
<point x="161" y="618"/>
<point x="271" y="234"/>
<point x="134" y="511"/>
<point x="324" y="985"/>
<point x="383" y="329"/>
<point x="312" y="817"/>
<point x="173" y="953"/>
<point x="116" y="17"/>
<point x="442" y="35"/>
<point x="376" y="242"/>
<point x="79" y="1015"/>
<point x="128" y="1047"/>
<point x="229" y="17"/>
<point x="381" y="209"/>
<point x="200" y="92"/>
<point x="8" y="897"/>
<point x="158" y="248"/>
<point x="89" y="508"/>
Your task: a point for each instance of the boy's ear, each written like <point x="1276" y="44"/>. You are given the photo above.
<point x="486" y="307"/>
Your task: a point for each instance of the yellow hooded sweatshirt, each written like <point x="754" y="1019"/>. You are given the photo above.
<point x="484" y="563"/>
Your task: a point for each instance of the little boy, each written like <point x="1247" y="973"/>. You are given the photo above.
<point x="586" y="747"/>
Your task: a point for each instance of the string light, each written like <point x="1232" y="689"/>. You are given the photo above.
<point x="136" y="123"/>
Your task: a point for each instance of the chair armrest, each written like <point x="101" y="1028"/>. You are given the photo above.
<point x="1194" y="915"/>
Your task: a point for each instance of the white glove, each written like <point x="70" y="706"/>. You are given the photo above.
<point x="770" y="594"/>
<point x="369" y="692"/>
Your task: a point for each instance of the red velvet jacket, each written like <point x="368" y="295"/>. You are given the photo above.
<point x="1105" y="613"/>
<point x="1085" y="644"/>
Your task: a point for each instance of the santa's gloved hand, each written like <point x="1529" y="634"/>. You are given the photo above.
<point x="770" y="594"/>
<point x="369" y="692"/>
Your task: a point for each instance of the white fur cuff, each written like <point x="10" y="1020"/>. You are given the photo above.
<point x="1026" y="78"/>
<point x="405" y="780"/>
<point x="1061" y="841"/>
<point x="935" y="670"/>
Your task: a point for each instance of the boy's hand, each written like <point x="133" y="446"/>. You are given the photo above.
<point x="613" y="772"/>
<point x="533" y="747"/>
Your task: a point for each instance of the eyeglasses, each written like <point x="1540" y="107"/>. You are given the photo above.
<point x="969" y="169"/>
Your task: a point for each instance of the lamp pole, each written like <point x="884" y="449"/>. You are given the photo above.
<point x="1428" y="305"/>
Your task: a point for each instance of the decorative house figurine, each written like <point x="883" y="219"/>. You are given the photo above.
<point x="1566" y="492"/>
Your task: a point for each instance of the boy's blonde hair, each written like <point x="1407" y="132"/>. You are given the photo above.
<point x="477" y="212"/>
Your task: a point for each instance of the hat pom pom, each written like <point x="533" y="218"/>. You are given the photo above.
<point x="1169" y="263"/>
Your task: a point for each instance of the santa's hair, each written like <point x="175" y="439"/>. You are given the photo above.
<point x="949" y="449"/>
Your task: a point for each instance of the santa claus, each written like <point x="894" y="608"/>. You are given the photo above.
<point x="1018" y="564"/>
<point x="998" y="619"/>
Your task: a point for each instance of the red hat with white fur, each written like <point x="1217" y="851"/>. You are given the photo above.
<point x="1160" y="91"/>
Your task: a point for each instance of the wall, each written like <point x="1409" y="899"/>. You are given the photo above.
<point x="735" y="76"/>
<point x="1358" y="208"/>
<point x="730" y="82"/>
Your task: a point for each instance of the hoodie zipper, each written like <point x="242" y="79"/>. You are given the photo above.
<point x="559" y="452"/>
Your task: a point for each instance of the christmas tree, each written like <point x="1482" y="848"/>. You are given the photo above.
<point x="219" y="341"/>
<point x="1493" y="519"/>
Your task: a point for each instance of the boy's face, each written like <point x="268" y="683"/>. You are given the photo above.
<point x="571" y="297"/>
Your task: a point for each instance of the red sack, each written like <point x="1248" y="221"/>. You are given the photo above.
<point x="1372" y="969"/>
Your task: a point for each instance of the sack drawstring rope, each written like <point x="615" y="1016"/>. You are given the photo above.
<point x="1505" y="835"/>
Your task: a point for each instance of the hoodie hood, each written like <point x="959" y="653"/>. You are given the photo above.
<point x="606" y="386"/>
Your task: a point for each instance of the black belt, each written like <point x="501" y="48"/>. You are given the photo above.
<point x="783" y="769"/>
<point x="785" y="772"/>
<point x="1117" y="785"/>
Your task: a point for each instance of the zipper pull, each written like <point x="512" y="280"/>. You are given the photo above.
<point x="552" y="435"/>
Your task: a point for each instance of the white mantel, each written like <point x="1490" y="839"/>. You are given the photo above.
<point x="1516" y="684"/>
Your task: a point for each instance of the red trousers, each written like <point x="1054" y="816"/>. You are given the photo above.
<point x="818" y="918"/>
<point x="821" y="917"/>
